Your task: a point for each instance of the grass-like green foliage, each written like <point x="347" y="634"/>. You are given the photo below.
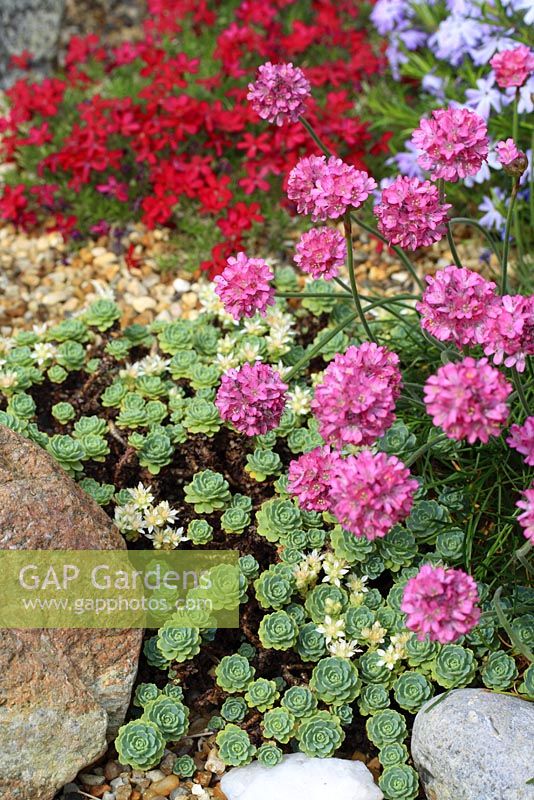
<point x="144" y="411"/>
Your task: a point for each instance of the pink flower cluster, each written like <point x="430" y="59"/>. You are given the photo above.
<point x="310" y="477"/>
<point x="526" y="519"/>
<point x="279" y="93"/>
<point x="244" y="286"/>
<point x="320" y="252"/>
<point x="507" y="151"/>
<point x="355" y="403"/>
<point x="509" y="332"/>
<point x="410" y="213"/>
<point x="468" y="399"/>
<point x="371" y="492"/>
<point x="521" y="438"/>
<point x="441" y="604"/>
<point x="454" y="143"/>
<point x="326" y="188"/>
<point x="513" y="67"/>
<point x="252" y="398"/>
<point x="456" y="305"/>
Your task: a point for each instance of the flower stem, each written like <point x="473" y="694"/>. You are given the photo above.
<point x="515" y="118"/>
<point x="397" y="250"/>
<point x="315" y="137"/>
<point x="315" y="351"/>
<point x="516" y="378"/>
<point x="450" y="238"/>
<point x="344" y="295"/>
<point x="506" y="243"/>
<point x="481" y="228"/>
<point x="425" y="447"/>
<point x="352" y="276"/>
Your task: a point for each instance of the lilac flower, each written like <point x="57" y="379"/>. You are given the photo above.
<point x="455" y="37"/>
<point x="484" y="173"/>
<point x="434" y="85"/>
<point x="492" y="217"/>
<point x="387" y="15"/>
<point x="406" y="161"/>
<point x="491" y="44"/>
<point x="485" y="97"/>
<point x="526" y="97"/>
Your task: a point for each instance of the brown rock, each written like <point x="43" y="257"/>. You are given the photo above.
<point x="41" y="508"/>
<point x="163" y="787"/>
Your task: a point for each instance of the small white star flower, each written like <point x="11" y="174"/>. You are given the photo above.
<point x="142" y="496"/>
<point x="375" y="634"/>
<point x="388" y="657"/>
<point x="343" y="648"/>
<point x="332" y="628"/>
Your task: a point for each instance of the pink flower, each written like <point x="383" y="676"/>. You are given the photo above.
<point x="468" y="399"/>
<point x="507" y="151"/>
<point x="244" y="286"/>
<point x="521" y="438"/>
<point x="513" y="67"/>
<point x="441" y="603"/>
<point x="509" y="332"/>
<point x="326" y="188"/>
<point x="454" y="142"/>
<point x="279" y="93"/>
<point x="252" y="398"/>
<point x="526" y="519"/>
<point x="310" y="476"/>
<point x="370" y="493"/>
<point x="410" y="213"/>
<point x="355" y="403"/>
<point x="456" y="305"/>
<point x="320" y="252"/>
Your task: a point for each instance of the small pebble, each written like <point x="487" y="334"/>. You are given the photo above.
<point x="123" y="792"/>
<point x="112" y="770"/>
<point x="92" y="780"/>
<point x="176" y="794"/>
<point x="108" y="796"/>
<point x="155" y="775"/>
<point x="116" y="782"/>
<point x="163" y="787"/>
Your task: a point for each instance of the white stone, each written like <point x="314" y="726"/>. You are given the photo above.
<point x="179" y="285"/>
<point x="298" y="776"/>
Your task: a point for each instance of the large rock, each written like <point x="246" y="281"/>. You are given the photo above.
<point x="298" y="776"/>
<point x="31" y="25"/>
<point x="475" y="745"/>
<point x="41" y="508"/>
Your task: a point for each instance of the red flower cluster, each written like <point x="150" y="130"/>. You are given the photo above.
<point x="170" y="133"/>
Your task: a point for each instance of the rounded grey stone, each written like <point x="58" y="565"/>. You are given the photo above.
<point x="475" y="745"/>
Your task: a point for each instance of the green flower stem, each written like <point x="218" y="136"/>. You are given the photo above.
<point x="516" y="378"/>
<point x="354" y="286"/>
<point x="531" y="183"/>
<point x="515" y="118"/>
<point x="318" y="347"/>
<point x="314" y="136"/>
<point x="475" y="224"/>
<point x="425" y="447"/>
<point x="397" y="250"/>
<point x="343" y="285"/>
<point x="345" y="295"/>
<point x="506" y="243"/>
<point x="450" y="239"/>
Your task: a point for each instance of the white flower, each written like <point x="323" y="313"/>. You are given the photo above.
<point x="254" y="326"/>
<point x="130" y="371"/>
<point x="159" y="516"/>
<point x="299" y="400"/>
<point x="226" y="362"/>
<point x="343" y="648"/>
<point x="334" y="569"/>
<point x="332" y="628"/>
<point x="8" y="379"/>
<point x="357" y="584"/>
<point x="227" y="344"/>
<point x="129" y="520"/>
<point x="388" y="658"/>
<point x="152" y="365"/>
<point x="278" y="343"/>
<point x="249" y="351"/>
<point x="43" y="352"/>
<point x="167" y="538"/>
<point x="375" y="634"/>
<point x="399" y="641"/>
<point x="142" y="496"/>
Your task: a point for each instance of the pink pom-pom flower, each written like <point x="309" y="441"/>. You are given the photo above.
<point x="279" y="93"/>
<point x="326" y="188"/>
<point x="355" y="402"/>
<point x="468" y="399"/>
<point x="371" y="493"/>
<point x="513" y="67"/>
<point x="244" y="286"/>
<point x="321" y="252"/>
<point x="509" y="331"/>
<point x="454" y="143"/>
<point x="526" y="519"/>
<point x="410" y="213"/>
<point x="252" y="398"/>
<point x="456" y="305"/>
<point x="310" y="477"/>
<point x="441" y="604"/>
<point x="521" y="438"/>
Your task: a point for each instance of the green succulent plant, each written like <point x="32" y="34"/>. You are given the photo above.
<point x="234" y="709"/>
<point x="56" y="374"/>
<point x="450" y="545"/>
<point x="273" y="590"/>
<point x="499" y="671"/>
<point x="393" y="753"/>
<point x="300" y="701"/>
<point x="182" y="363"/>
<point x="22" y="405"/>
<point x="235" y="520"/>
<point x="169" y="715"/>
<point x="140" y="744"/>
<point x="235" y="747"/>
<point x="71" y="356"/>
<point x="102" y="493"/>
<point x="86" y="426"/>
<point x="178" y="644"/>
<point x="144" y="693"/>
<point x="374" y="697"/>
<point x="200" y="531"/>
<point x="325" y="600"/>
<point x="102" y="314"/>
<point x="276" y="518"/>
<point x="133" y="412"/>
<point x="320" y="735"/>
<point x="385" y="727"/>
<point x="184" y="767"/>
<point x="269" y="755"/>
<point x="311" y="643"/>
<point x="207" y="492"/>
<point x="156" y="452"/>
<point x="335" y="680"/>
<point x="153" y="655"/>
<point x="175" y="336"/>
<point x="262" y="694"/>
<point x="234" y="673"/>
<point x="399" y="782"/>
<point x="263" y="463"/>
<point x="411" y="690"/>
<point x="68" y="452"/>
<point x="526" y="687"/>
<point x="249" y="566"/>
<point x="202" y="416"/>
<point x="454" y="666"/>
<point x="174" y="690"/>
<point x="280" y="724"/>
<point x="278" y="631"/>
<point x="95" y="447"/>
<point x="421" y="651"/>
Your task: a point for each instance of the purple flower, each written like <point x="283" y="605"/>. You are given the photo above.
<point x="492" y="217"/>
<point x="252" y="398"/>
<point x="326" y="188"/>
<point x="485" y="97"/>
<point x="244" y="286"/>
<point x="521" y="438"/>
<point x="387" y="15"/>
<point x="279" y="93"/>
<point x="321" y="252"/>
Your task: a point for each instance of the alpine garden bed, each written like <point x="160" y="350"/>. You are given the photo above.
<point x="369" y="457"/>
